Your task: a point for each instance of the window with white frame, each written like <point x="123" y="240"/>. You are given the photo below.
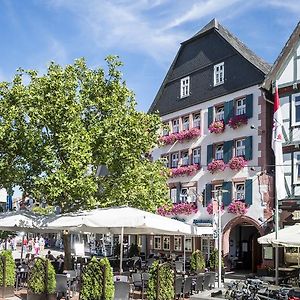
<point x="157" y="243"/>
<point x="185" y="87"/>
<point x="188" y="244"/>
<point x="296" y="107"/>
<point x="175" y="125"/>
<point x="186" y="123"/>
<point x="240" y="147"/>
<point x="174" y="160"/>
<point x="197" y="156"/>
<point x="184" y="158"/>
<point x="240" y="106"/>
<point x="297" y="167"/>
<point x="219" y="74"/>
<point x="219" y="151"/>
<point x="166" y="129"/>
<point x="166" y="243"/>
<point x="184" y="195"/>
<point x="240" y="191"/>
<point x="196" y="120"/>
<point x="177" y="243"/>
<point x="219" y="113"/>
<point x="173" y="195"/>
<point x="165" y="159"/>
<point x="207" y="246"/>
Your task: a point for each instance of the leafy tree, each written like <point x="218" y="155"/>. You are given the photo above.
<point x="58" y="128"/>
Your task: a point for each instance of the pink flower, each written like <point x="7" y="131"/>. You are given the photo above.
<point x="238" y="121"/>
<point x="177" y="209"/>
<point x="184" y="170"/>
<point x="209" y="208"/>
<point x="237" y="207"/>
<point x="180" y="136"/>
<point x="217" y="127"/>
<point x="168" y="139"/>
<point x="237" y="163"/>
<point x="216" y="165"/>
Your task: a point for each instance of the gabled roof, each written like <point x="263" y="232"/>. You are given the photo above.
<point x="241" y="48"/>
<point x="284" y="54"/>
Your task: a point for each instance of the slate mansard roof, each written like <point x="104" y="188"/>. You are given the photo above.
<point x="196" y="57"/>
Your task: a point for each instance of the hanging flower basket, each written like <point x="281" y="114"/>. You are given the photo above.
<point x="184" y="170"/>
<point x="217" y="127"/>
<point x="237" y="121"/>
<point x="177" y="209"/>
<point x="237" y="163"/>
<point x="181" y="136"/>
<point x="237" y="207"/>
<point x="216" y="165"/>
<point x="209" y="208"/>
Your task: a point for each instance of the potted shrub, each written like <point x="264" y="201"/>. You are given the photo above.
<point x="197" y="262"/>
<point x="7" y="266"/>
<point x="216" y="165"/>
<point x="93" y="276"/>
<point x="237" y="163"/>
<point x="217" y="127"/>
<point x="213" y="261"/>
<point x="237" y="121"/>
<point x="40" y="286"/>
<point x="237" y="207"/>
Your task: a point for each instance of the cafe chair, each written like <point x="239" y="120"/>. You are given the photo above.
<point x="122" y="290"/>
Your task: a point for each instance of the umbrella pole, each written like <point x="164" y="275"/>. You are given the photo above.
<point x="298" y="257"/>
<point x="184" y="254"/>
<point x="121" y="249"/>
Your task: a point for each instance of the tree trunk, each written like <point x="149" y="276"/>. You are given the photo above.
<point x="67" y="249"/>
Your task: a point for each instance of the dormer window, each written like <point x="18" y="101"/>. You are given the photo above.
<point x="219" y="74"/>
<point x="185" y="87"/>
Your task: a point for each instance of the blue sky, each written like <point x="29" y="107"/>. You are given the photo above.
<point x="146" y="34"/>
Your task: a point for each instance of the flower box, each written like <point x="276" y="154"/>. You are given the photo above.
<point x="237" y="121"/>
<point x="217" y="127"/>
<point x="237" y="207"/>
<point x="216" y="165"/>
<point x="237" y="163"/>
<point x="177" y="209"/>
<point x="181" y="136"/>
<point x="168" y="139"/>
<point x="184" y="170"/>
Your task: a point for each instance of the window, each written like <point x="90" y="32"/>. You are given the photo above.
<point x="185" y="87"/>
<point x="197" y="156"/>
<point x="174" y="160"/>
<point x="219" y="74"/>
<point x="184" y="195"/>
<point x="166" y="129"/>
<point x="175" y="125"/>
<point x="297" y="167"/>
<point x="184" y="158"/>
<point x="157" y="242"/>
<point x="165" y="159"/>
<point x="240" y="191"/>
<point x="240" y="147"/>
<point x="186" y="123"/>
<point x="188" y="244"/>
<point x="240" y="108"/>
<point x="166" y="243"/>
<point x="219" y="151"/>
<point x="207" y="246"/>
<point x="177" y="243"/>
<point x="173" y="195"/>
<point x="219" y="113"/>
<point x="297" y="108"/>
<point x="196" y="120"/>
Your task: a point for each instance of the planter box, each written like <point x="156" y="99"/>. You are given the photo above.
<point x="7" y="292"/>
<point x="44" y="296"/>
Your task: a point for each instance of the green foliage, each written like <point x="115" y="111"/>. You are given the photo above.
<point x="134" y="250"/>
<point x="10" y="269"/>
<point x="45" y="211"/>
<point x="7" y="234"/>
<point x="36" y="278"/>
<point x="197" y="261"/>
<point x="213" y="261"/>
<point x="59" y="127"/>
<point x="92" y="280"/>
<point x="163" y="273"/>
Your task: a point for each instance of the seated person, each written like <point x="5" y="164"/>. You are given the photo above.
<point x="50" y="256"/>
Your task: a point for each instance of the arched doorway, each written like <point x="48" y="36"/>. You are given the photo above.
<point x="240" y="245"/>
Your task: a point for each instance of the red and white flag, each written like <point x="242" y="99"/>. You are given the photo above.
<point x="277" y="140"/>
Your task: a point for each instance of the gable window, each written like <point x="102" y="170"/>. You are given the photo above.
<point x="166" y="243"/>
<point x="196" y="120"/>
<point x="177" y="243"/>
<point x="196" y="156"/>
<point x="219" y="74"/>
<point x="175" y="126"/>
<point x="157" y="243"/>
<point x="184" y="158"/>
<point x="219" y="113"/>
<point x="174" y="160"/>
<point x="240" y="147"/>
<point x="240" y="108"/>
<point x="219" y="151"/>
<point x="186" y="123"/>
<point x="166" y="129"/>
<point x="240" y="191"/>
<point x="185" y="87"/>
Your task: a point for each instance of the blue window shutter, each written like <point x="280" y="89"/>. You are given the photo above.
<point x="210" y="153"/>
<point x="249" y="106"/>
<point x="208" y="190"/>
<point x="227" y="185"/>
<point x="228" y="111"/>
<point x="248" y="192"/>
<point x="227" y="151"/>
<point x="210" y="115"/>
<point x="248" y="148"/>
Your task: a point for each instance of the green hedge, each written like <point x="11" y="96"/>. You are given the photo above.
<point x="10" y="268"/>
